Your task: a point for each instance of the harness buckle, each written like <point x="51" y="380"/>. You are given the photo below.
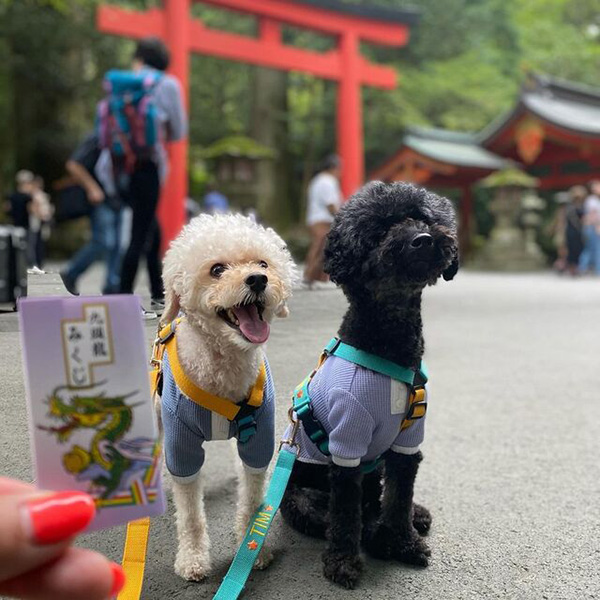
<point x="156" y="358"/>
<point x="416" y="411"/>
<point x="246" y="428"/>
<point x="331" y="348"/>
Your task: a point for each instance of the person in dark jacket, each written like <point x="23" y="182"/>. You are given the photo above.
<point x="20" y="200"/>
<point x="573" y="227"/>
<point x="105" y="218"/>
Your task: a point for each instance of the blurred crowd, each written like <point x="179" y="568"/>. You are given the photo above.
<point x="576" y="230"/>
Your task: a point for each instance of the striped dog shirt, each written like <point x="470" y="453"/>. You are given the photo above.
<point x="361" y="411"/>
<point x="187" y="426"/>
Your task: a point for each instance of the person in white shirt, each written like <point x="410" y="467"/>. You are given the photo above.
<point x="324" y="199"/>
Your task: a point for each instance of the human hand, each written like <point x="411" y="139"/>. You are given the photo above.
<point x="37" y="561"/>
<point x="95" y="195"/>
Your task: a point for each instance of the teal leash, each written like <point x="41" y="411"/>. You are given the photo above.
<point x="239" y="571"/>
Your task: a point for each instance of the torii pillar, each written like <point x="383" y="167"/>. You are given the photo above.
<point x="171" y="210"/>
<point x="344" y="64"/>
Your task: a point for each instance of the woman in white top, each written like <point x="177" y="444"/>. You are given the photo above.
<point x="324" y="199"/>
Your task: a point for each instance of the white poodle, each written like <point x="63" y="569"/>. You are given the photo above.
<point x="228" y="277"/>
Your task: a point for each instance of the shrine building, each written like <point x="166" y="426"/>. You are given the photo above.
<point x="552" y="132"/>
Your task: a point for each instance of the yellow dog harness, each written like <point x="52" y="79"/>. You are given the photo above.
<point x="136" y="541"/>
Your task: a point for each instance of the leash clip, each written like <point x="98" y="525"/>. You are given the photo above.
<point x="291" y="442"/>
<point x="155" y="361"/>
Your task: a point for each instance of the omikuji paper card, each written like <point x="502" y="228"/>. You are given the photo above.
<point x="90" y="410"/>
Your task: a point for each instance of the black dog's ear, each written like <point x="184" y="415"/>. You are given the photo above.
<point x="452" y="269"/>
<point x="339" y="262"/>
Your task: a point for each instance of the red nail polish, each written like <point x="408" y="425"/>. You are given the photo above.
<point x="118" y="579"/>
<point x="59" y="516"/>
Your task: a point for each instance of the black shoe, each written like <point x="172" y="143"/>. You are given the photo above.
<point x="69" y="283"/>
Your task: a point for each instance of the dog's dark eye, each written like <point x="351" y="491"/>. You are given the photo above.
<point x="263" y="264"/>
<point x="217" y="270"/>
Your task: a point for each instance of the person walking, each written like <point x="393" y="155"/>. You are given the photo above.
<point x="590" y="256"/>
<point x="144" y="182"/>
<point x="40" y="216"/>
<point x="19" y="200"/>
<point x="573" y="226"/>
<point x="324" y="199"/>
<point x="105" y="221"/>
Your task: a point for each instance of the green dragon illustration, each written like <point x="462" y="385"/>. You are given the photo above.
<point x="111" y="418"/>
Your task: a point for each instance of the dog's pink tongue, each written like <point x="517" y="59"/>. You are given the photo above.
<point x="251" y="325"/>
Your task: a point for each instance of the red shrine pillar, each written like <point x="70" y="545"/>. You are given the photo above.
<point x="171" y="210"/>
<point x="349" y="115"/>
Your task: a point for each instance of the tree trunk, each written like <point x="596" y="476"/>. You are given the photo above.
<point x="269" y="126"/>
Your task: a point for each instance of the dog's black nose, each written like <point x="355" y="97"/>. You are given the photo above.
<point x="257" y="282"/>
<point x="422" y="240"/>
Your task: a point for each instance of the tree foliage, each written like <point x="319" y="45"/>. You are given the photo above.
<point x="462" y="68"/>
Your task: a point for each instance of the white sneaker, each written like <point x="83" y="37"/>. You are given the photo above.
<point x="35" y="270"/>
<point x="148" y="315"/>
<point x="158" y="306"/>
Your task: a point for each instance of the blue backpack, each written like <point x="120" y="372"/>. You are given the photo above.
<point x="127" y="120"/>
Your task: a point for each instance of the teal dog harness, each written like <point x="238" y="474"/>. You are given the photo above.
<point x="415" y="380"/>
<point x="301" y="412"/>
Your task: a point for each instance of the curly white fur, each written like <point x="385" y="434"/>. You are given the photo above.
<point x="213" y="354"/>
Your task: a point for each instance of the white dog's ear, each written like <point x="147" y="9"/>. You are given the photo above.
<point x="282" y="311"/>
<point x="172" y="307"/>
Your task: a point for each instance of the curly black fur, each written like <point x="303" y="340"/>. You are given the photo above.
<point x="373" y="253"/>
<point x="366" y="254"/>
<point x="305" y="505"/>
<point x="341" y="560"/>
<point x="393" y="535"/>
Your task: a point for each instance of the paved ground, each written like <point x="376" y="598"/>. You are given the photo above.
<point x="512" y="469"/>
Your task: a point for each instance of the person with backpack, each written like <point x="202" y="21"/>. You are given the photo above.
<point x="143" y="110"/>
<point x="105" y="221"/>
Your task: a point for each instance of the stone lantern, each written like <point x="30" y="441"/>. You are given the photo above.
<point x="234" y="161"/>
<point x="516" y="209"/>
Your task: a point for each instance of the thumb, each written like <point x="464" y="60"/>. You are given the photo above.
<point x="37" y="527"/>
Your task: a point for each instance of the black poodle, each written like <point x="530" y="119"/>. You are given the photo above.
<point x="386" y="244"/>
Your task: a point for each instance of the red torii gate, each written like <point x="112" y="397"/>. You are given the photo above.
<point x="344" y="64"/>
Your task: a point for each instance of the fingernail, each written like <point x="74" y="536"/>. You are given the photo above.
<point x="118" y="579"/>
<point x="58" y="516"/>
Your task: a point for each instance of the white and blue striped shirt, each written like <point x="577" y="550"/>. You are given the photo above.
<point x="187" y="426"/>
<point x="361" y="411"/>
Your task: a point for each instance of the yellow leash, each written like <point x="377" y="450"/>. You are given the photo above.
<point x="134" y="558"/>
<point x="136" y="539"/>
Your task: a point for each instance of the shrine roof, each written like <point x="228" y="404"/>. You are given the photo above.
<point x="370" y="11"/>
<point x="452" y="147"/>
<point x="568" y="105"/>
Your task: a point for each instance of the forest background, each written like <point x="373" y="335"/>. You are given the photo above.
<point x="462" y="69"/>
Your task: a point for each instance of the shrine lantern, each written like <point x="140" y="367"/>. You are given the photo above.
<point x="234" y="161"/>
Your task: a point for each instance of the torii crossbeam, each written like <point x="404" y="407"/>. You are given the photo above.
<point x="348" y="23"/>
